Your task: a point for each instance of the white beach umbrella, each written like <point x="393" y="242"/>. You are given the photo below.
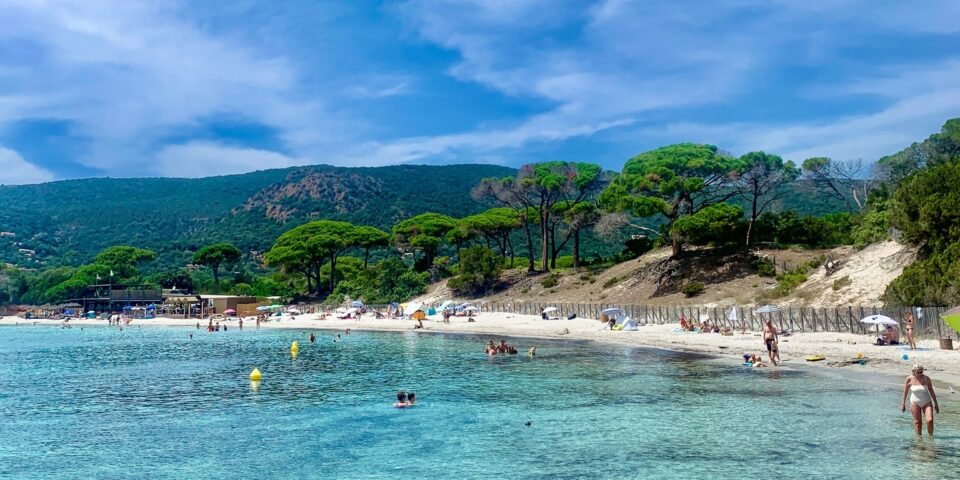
<point x="550" y="309"/>
<point x="878" y="320"/>
<point x="611" y="310"/>
<point x="733" y="316"/>
<point x="472" y="308"/>
<point x="767" y="309"/>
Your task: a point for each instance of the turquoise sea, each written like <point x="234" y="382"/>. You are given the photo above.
<point x="153" y="403"/>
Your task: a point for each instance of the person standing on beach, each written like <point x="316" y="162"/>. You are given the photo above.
<point x="923" y="400"/>
<point x="770" y="340"/>
<point x="908" y="323"/>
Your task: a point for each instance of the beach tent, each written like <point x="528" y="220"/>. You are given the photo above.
<point x="443" y="306"/>
<point x="410" y="308"/>
<point x="626" y="324"/>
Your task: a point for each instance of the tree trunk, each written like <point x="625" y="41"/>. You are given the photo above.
<point x="576" y="249"/>
<point x="216" y="276"/>
<point x="366" y="257"/>
<point x="553" y="247"/>
<point x="531" y="266"/>
<point x="510" y="245"/>
<point x="319" y="284"/>
<point x="544" y="241"/>
<point x="753" y="217"/>
<point x="676" y="246"/>
<point x="333" y="272"/>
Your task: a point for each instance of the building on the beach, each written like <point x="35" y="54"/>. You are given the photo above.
<point x="221" y="303"/>
<point x="114" y="297"/>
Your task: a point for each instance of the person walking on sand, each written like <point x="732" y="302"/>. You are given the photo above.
<point x="923" y="400"/>
<point x="770" y="340"/>
<point x="909" y="323"/>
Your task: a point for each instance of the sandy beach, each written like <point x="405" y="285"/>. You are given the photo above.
<point x="840" y="349"/>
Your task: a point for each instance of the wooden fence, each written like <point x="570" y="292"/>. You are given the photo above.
<point x="798" y="319"/>
<point x="845" y="319"/>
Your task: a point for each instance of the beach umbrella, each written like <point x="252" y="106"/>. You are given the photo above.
<point x="418" y="315"/>
<point x="356" y="303"/>
<point x="230" y="311"/>
<point x="611" y="310"/>
<point x="472" y="308"/>
<point x="767" y="309"/>
<point x="68" y="312"/>
<point x="550" y="309"/>
<point x="262" y="308"/>
<point x="733" y="316"/>
<point x="878" y="320"/>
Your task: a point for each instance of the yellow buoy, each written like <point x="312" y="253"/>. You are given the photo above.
<point x="255" y="375"/>
<point x="295" y="347"/>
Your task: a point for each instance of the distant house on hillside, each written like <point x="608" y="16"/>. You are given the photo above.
<point x="8" y="234"/>
<point x="27" y="252"/>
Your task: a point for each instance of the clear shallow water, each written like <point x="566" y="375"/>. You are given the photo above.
<point x="151" y="403"/>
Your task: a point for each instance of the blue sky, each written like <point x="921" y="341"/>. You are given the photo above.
<point x="180" y="88"/>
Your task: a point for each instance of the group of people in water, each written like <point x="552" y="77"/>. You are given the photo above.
<point x="502" y="348"/>
<point x="405" y="399"/>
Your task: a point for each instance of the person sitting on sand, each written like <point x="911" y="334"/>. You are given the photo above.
<point x="890" y="336"/>
<point x="401" y="400"/>
<point x="683" y="324"/>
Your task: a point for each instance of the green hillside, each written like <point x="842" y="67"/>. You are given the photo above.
<point x="68" y="222"/>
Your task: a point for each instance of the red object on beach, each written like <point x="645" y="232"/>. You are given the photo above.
<point x="229" y="311"/>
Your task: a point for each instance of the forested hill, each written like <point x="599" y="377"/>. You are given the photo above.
<point x="67" y="222"/>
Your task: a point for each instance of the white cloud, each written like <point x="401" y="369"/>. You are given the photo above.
<point x="125" y="74"/>
<point x="14" y="170"/>
<point x="204" y="159"/>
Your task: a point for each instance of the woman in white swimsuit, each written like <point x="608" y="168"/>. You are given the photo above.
<point x="923" y="400"/>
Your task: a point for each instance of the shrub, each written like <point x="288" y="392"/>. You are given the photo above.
<point x="692" y="289"/>
<point x="565" y="261"/>
<point x="479" y="270"/>
<point x="611" y="282"/>
<point x="841" y="282"/>
<point x="765" y="267"/>
<point x="551" y="281"/>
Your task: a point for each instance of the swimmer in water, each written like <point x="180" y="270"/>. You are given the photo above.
<point x="401" y="399"/>
<point x="411" y="399"/>
<point x="347" y="332"/>
<point x="312" y="337"/>
<point x="533" y="351"/>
